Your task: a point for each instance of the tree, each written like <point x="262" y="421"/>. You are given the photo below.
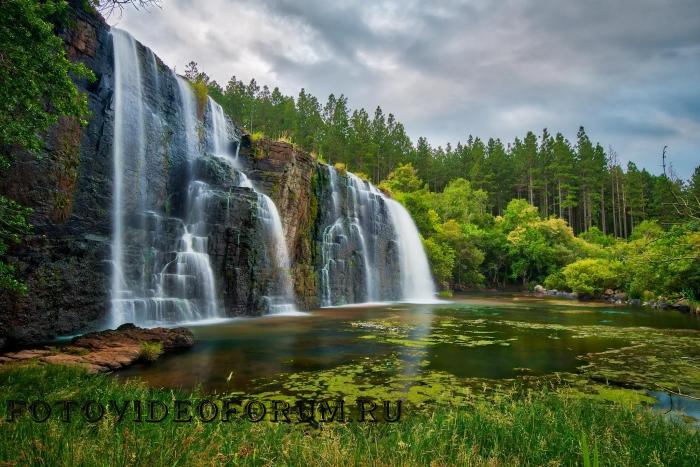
<point x="442" y="261"/>
<point x="460" y="202"/>
<point x="37" y="89"/>
<point x="404" y="179"/>
<point x="563" y="173"/>
<point x="108" y="7"/>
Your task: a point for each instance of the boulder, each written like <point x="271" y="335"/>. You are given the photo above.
<point x="106" y="350"/>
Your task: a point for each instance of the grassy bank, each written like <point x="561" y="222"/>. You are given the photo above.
<point x="538" y="429"/>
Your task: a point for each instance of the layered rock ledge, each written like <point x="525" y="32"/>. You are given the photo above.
<point x="105" y="351"/>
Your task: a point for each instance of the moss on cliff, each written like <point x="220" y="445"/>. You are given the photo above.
<point x="67" y="161"/>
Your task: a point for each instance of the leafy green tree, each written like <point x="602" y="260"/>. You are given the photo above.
<point x="664" y="263"/>
<point x="442" y="261"/>
<point x="404" y="179"/>
<point x="459" y="201"/>
<point x="464" y="240"/>
<point x="37" y="88"/>
<point x="592" y="276"/>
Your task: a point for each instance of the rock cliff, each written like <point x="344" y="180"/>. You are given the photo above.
<point x="191" y="215"/>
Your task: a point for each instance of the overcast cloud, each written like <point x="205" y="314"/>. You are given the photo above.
<point x="627" y="70"/>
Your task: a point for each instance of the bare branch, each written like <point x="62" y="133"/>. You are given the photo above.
<point x="108" y="7"/>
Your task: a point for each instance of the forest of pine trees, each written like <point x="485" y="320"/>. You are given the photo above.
<point x="578" y="181"/>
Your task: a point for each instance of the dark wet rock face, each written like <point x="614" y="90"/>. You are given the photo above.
<point x="68" y="186"/>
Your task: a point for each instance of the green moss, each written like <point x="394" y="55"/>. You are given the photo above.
<point x="66" y="165"/>
<point x="201" y="93"/>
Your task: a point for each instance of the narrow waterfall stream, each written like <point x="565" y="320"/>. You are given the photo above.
<point x="280" y="300"/>
<point x="416" y="283"/>
<point x="128" y="139"/>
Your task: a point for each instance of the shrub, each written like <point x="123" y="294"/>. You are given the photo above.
<point x="341" y="168"/>
<point x="556" y="281"/>
<point x="150" y="351"/>
<point x="257" y="136"/>
<point x="201" y="92"/>
<point x="593" y="276"/>
<point x="442" y="261"/>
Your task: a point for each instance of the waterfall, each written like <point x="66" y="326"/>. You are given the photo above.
<point x="177" y="177"/>
<point x="128" y="140"/>
<point x="189" y="113"/>
<point x="363" y="207"/>
<point x="367" y="243"/>
<point x="280" y="300"/>
<point x="172" y="284"/>
<point x="416" y="283"/>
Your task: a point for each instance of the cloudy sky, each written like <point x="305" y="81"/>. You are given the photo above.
<point x="627" y="70"/>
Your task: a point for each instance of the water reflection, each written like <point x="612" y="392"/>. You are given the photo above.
<point x="476" y="336"/>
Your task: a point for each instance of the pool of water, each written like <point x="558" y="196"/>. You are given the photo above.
<point x="473" y="336"/>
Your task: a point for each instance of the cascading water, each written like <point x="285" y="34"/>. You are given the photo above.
<point x="281" y="299"/>
<point x="182" y="252"/>
<point x="128" y="139"/>
<point x="416" y="283"/>
<point x="368" y="240"/>
<point x="171" y="285"/>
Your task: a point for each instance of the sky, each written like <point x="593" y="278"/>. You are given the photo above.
<point x="626" y="70"/>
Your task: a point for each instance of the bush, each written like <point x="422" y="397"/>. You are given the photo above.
<point x="593" y="276"/>
<point x="442" y="261"/>
<point x="201" y="91"/>
<point x="556" y="281"/>
<point x="150" y="351"/>
<point x="596" y="236"/>
<point x="257" y="136"/>
<point x="341" y="168"/>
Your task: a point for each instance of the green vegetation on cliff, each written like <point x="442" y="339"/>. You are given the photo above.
<point x="37" y="88"/>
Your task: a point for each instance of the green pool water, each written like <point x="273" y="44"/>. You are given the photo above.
<point x="430" y="351"/>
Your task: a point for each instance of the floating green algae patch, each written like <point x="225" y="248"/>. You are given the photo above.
<point x="656" y="364"/>
<point x="442" y="330"/>
<point x="398" y="376"/>
<point x="657" y="359"/>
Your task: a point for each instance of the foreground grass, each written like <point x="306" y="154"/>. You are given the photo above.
<point x="542" y="428"/>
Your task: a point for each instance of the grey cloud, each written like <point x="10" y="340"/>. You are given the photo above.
<point x="626" y="70"/>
